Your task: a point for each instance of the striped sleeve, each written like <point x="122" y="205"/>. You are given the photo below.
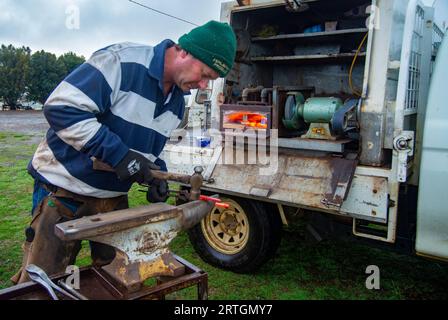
<point x="73" y="107"/>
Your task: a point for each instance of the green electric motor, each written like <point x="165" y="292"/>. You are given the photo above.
<point x="313" y="110"/>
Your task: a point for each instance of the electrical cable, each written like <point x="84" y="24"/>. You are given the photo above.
<point x="350" y="80"/>
<point x="161" y="12"/>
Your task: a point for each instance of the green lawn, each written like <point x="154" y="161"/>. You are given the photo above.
<point x="300" y="270"/>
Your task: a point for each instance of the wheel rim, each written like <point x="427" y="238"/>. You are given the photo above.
<point x="226" y="230"/>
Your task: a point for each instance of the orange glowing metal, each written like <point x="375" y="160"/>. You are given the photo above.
<point x="249" y="119"/>
<point x="222" y="205"/>
<point x="217" y="201"/>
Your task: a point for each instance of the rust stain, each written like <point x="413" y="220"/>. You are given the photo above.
<point x="163" y="265"/>
<point x="378" y="185"/>
<point x="122" y="271"/>
<point x="147" y="270"/>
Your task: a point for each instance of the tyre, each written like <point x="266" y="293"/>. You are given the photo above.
<point x="240" y="238"/>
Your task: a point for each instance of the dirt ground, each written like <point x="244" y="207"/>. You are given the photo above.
<point x="25" y="122"/>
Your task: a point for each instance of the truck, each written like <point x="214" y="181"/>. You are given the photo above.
<point x="333" y="111"/>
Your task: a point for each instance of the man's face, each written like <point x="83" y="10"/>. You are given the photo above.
<point x="193" y="74"/>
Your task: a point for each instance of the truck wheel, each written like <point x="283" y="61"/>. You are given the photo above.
<point x="240" y="238"/>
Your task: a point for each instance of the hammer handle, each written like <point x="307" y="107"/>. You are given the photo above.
<point x="162" y="175"/>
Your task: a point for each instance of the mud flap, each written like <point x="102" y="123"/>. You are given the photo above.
<point x="341" y="180"/>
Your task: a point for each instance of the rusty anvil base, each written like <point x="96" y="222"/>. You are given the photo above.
<point x="140" y="237"/>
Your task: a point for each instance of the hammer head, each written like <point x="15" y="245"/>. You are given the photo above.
<point x="196" y="182"/>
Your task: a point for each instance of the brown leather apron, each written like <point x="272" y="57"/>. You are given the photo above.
<point x="44" y="249"/>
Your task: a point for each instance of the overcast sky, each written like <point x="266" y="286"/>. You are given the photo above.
<point x="53" y="25"/>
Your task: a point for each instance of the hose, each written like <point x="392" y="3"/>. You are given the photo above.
<point x="350" y="82"/>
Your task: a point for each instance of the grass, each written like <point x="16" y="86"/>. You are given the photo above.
<point x="300" y="270"/>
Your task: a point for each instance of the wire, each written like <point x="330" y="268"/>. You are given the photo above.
<point x="166" y="14"/>
<point x="350" y="82"/>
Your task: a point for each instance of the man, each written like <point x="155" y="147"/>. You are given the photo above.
<point x="120" y="108"/>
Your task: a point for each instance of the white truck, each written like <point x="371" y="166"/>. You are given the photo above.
<point x="328" y="112"/>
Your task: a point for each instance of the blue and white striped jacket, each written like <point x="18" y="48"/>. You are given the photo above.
<point x="110" y="104"/>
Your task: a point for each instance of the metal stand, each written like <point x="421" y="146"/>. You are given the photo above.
<point x="95" y="284"/>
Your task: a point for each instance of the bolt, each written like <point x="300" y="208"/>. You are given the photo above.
<point x="402" y="144"/>
<point x="198" y="169"/>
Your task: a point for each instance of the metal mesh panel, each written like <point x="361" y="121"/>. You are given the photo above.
<point x="412" y="95"/>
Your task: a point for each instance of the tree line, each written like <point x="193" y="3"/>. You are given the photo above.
<point x="32" y="77"/>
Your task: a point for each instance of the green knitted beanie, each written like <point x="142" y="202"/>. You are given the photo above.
<point x="214" y="44"/>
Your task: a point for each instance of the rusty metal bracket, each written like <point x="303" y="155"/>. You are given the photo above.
<point x="343" y="171"/>
<point x="404" y="146"/>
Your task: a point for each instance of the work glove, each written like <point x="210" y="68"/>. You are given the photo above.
<point x="157" y="191"/>
<point x="134" y="167"/>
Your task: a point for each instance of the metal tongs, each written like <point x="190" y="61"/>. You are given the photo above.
<point x="39" y="276"/>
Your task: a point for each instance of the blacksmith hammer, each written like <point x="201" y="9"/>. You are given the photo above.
<point x="195" y="181"/>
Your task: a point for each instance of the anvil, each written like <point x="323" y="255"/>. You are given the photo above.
<point x="140" y="237"/>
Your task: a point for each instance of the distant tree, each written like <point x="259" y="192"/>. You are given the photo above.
<point x="71" y="61"/>
<point x="14" y="67"/>
<point x="46" y="71"/>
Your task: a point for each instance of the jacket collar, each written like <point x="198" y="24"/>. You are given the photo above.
<point x="157" y="64"/>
